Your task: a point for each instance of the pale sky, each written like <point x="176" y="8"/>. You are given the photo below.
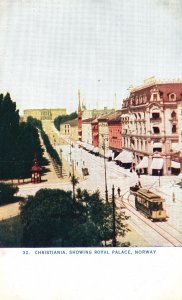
<point x="50" y="48"/>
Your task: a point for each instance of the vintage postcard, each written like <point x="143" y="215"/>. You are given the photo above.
<point x="90" y="149"/>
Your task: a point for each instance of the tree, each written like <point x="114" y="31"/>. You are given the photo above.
<point x="55" y="218"/>
<point x="46" y="217"/>
<point x="27" y="145"/>
<point x="7" y="192"/>
<point x="61" y="119"/>
<point x="11" y="232"/>
<point x="9" y="126"/>
<point x="101" y="215"/>
<point x="19" y="142"/>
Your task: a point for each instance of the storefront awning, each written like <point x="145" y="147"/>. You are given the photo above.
<point x="157" y="164"/>
<point x="119" y="156"/>
<point x="96" y="150"/>
<point x="125" y="157"/>
<point x="175" y="164"/>
<point x="109" y="153"/>
<point x="143" y="163"/>
<point x="88" y="146"/>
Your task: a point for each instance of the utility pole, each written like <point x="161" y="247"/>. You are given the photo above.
<point x="105" y="173"/>
<point x="70" y="151"/>
<point x="159" y="177"/>
<point x="73" y="179"/>
<point x="113" y="219"/>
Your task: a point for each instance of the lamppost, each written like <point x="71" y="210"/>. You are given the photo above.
<point x="113" y="219"/>
<point x="159" y="177"/>
<point x="105" y="172"/>
<point x="74" y="180"/>
<point x="61" y="151"/>
<point x="70" y="151"/>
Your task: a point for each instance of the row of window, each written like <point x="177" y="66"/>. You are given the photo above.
<point x="143" y="99"/>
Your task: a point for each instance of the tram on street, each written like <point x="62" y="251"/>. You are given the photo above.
<point x="150" y="204"/>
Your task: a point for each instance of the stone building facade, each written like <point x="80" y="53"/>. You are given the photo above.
<point x="150" y="125"/>
<point x="114" y="128"/>
<point x="87" y="130"/>
<point x="44" y="114"/>
<point x="95" y="133"/>
<point x="70" y="129"/>
<point x="103" y="130"/>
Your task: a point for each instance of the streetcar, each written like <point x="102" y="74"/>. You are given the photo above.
<point x="150" y="204"/>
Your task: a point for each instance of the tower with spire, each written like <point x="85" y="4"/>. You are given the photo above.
<point x="79" y="117"/>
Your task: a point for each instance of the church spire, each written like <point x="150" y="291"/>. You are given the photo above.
<point x="79" y="101"/>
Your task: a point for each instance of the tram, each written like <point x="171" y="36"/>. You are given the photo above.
<point x="150" y="204"/>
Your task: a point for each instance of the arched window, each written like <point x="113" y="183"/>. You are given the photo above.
<point x="172" y="97"/>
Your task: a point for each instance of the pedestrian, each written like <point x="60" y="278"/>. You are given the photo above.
<point x="119" y="192"/>
<point x="83" y="162"/>
<point x="139" y="184"/>
<point x="173" y="196"/>
<point x="69" y="174"/>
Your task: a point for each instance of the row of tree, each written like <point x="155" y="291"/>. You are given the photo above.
<point x="56" y="218"/>
<point x="49" y="148"/>
<point x="19" y="142"/>
<point x="61" y="119"/>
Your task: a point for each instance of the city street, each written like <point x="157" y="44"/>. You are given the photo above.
<point x="167" y="233"/>
<point x="147" y="233"/>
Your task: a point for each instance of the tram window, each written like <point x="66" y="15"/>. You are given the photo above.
<point x="156" y="206"/>
<point x="160" y="205"/>
<point x="145" y="203"/>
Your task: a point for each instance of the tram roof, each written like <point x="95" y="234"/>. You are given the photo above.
<point x="149" y="195"/>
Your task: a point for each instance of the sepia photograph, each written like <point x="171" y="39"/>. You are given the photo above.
<point x="90" y="139"/>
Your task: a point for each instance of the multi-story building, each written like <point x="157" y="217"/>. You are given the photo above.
<point x="87" y="130"/>
<point x="150" y="124"/>
<point x="44" y="114"/>
<point x="176" y="163"/>
<point x="94" y="113"/>
<point x="85" y="114"/>
<point x="114" y="128"/>
<point x="70" y="129"/>
<point x="95" y="133"/>
<point x="179" y="116"/>
<point x="103" y="132"/>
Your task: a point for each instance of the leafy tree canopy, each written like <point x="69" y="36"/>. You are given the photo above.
<point x="7" y="192"/>
<point x="55" y="218"/>
<point x="61" y="119"/>
<point x="19" y="142"/>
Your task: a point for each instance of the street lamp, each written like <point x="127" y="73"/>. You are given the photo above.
<point x="159" y="177"/>
<point x="70" y="151"/>
<point x="113" y="219"/>
<point x="105" y="172"/>
<point x="74" y="180"/>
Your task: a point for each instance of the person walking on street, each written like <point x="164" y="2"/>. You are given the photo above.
<point x="139" y="184"/>
<point x="173" y="196"/>
<point x="119" y="192"/>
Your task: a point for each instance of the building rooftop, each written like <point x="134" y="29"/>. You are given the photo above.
<point x="73" y="122"/>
